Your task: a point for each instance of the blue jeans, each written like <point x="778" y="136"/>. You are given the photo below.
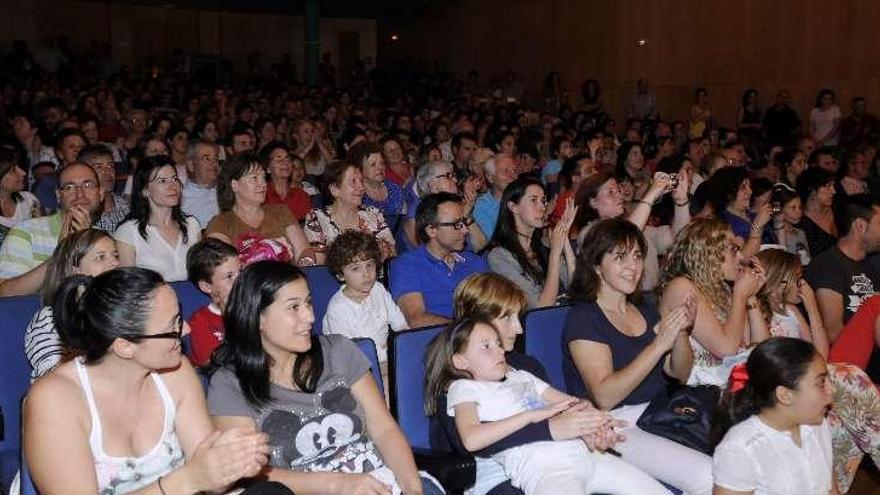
<point x="429" y="488"/>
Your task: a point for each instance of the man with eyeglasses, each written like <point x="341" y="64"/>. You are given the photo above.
<point x="423" y="280"/>
<point x="114" y="208"/>
<point x="31" y="243"/>
<point x="200" y="192"/>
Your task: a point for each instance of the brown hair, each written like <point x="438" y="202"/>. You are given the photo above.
<point x="352" y="246"/>
<point x="782" y="268"/>
<point x="236" y="167"/>
<point x="487" y="296"/>
<point x="603" y="238"/>
<point x="66" y="259"/>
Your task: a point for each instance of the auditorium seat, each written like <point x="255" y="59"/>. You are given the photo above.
<point x="543" y="340"/>
<point x="16" y="313"/>
<point x="406" y="374"/>
<point x="322" y="284"/>
<point x="368" y="347"/>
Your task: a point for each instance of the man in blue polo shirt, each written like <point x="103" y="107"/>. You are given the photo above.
<point x="500" y="171"/>
<point x="424" y="279"/>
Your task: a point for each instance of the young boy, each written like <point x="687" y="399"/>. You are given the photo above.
<point x="362" y="307"/>
<point x="212" y="266"/>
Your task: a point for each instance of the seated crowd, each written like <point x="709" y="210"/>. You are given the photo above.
<point x="687" y="253"/>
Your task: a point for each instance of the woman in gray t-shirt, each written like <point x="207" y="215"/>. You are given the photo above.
<point x="328" y="426"/>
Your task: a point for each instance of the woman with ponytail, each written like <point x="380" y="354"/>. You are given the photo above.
<point x="128" y="415"/>
<point x="772" y="421"/>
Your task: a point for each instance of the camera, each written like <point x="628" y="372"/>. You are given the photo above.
<point x="673" y="179"/>
<point x="777" y="207"/>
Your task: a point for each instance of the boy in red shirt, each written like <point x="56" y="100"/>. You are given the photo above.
<point x="212" y="266"/>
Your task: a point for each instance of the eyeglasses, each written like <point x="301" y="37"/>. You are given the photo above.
<point x="167" y="181"/>
<point x="72" y="187"/>
<point x="459" y="224"/>
<point x="448" y="175"/>
<point x="165" y="335"/>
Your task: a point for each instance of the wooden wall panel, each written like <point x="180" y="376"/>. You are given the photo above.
<point x="725" y="45"/>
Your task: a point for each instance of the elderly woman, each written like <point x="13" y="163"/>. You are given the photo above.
<point x="241" y="194"/>
<point x="379" y="192"/>
<point x="346" y="212"/>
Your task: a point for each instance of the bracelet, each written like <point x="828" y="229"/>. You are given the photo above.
<point x="683" y="203"/>
<point x="161" y="490"/>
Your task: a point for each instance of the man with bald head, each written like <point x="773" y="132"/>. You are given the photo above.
<point x="31" y="242"/>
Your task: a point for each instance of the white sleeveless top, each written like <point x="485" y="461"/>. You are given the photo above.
<point x="119" y="475"/>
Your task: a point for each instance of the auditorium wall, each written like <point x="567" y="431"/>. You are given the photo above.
<point x="725" y="45"/>
<point x="141" y="33"/>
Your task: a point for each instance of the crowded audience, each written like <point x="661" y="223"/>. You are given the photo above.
<point x="738" y="257"/>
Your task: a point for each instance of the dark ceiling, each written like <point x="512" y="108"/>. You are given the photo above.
<point x="375" y="9"/>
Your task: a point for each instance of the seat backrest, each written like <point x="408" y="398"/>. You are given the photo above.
<point x="189" y="297"/>
<point x="368" y="347"/>
<point x="322" y="284"/>
<point x="543" y="340"/>
<point x="406" y="372"/>
<point x="15" y="313"/>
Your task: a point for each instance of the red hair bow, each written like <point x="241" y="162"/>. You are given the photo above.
<point x="739" y="377"/>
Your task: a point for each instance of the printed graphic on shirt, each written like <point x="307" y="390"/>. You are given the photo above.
<point x="861" y="289"/>
<point x="329" y="436"/>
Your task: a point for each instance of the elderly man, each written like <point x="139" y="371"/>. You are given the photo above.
<point x="200" y="191"/>
<point x="500" y="171"/>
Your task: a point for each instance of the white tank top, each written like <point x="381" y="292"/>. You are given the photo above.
<point x="119" y="475"/>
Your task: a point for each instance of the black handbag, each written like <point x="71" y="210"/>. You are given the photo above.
<point x="683" y="415"/>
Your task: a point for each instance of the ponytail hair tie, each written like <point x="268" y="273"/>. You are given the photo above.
<point x="739" y="378"/>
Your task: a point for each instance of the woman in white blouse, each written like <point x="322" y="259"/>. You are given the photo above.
<point x="157" y="234"/>
<point x="825" y="120"/>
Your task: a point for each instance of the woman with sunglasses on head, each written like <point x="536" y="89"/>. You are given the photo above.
<point x="128" y="414"/>
<point x="157" y="233"/>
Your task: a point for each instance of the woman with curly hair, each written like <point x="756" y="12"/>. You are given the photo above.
<point x="855" y="416"/>
<point x="705" y="260"/>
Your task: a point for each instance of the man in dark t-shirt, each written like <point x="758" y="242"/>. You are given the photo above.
<point x="840" y="275"/>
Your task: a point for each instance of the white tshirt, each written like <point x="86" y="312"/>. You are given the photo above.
<point x="823" y="121"/>
<point x="520" y="392"/>
<point x="155" y="253"/>
<point x="369" y="318"/>
<point x="755" y="457"/>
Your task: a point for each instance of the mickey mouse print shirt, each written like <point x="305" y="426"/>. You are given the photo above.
<point x="323" y="431"/>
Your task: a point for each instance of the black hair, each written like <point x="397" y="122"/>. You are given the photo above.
<point x="140" y="205"/>
<point x="852" y="208"/>
<point x="90" y="313"/>
<point x="428" y="209"/>
<point x="205" y="256"/>
<point x="569" y="168"/>
<point x="602" y="238"/>
<point x="458" y="137"/>
<point x="507" y="237"/>
<point x="811" y="180"/>
<point x="93" y="150"/>
<point x="822" y="150"/>
<point x="724" y="184"/>
<point x="776" y="362"/>
<point x="623" y="155"/>
<point x="242" y="349"/>
<point x="822" y="93"/>
<point x="9" y="160"/>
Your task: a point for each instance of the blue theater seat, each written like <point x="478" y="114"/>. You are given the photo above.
<point x="323" y="285"/>
<point x="15" y="312"/>
<point x="368" y="347"/>
<point x="406" y="374"/>
<point x="543" y="340"/>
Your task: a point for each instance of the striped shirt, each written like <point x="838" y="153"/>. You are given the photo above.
<point x="28" y="244"/>
<point x="42" y="345"/>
